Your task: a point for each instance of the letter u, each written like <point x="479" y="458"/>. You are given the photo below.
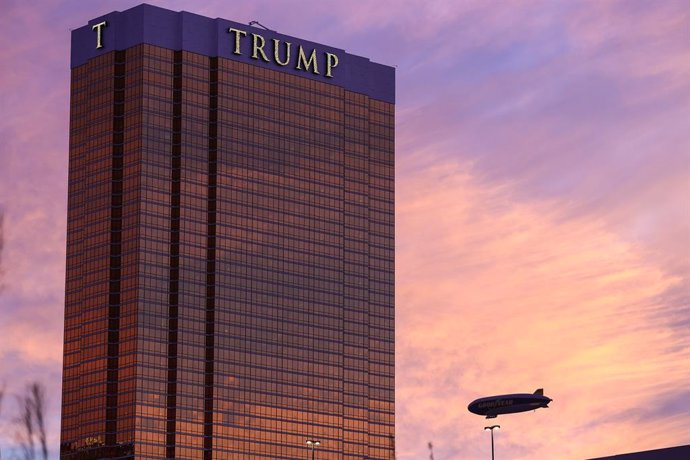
<point x="276" y="52"/>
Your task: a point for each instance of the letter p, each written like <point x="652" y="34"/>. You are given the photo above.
<point x="331" y="63"/>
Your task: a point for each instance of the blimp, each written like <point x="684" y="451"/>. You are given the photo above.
<point x="493" y="406"/>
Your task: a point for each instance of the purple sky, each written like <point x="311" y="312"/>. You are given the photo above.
<point x="543" y="210"/>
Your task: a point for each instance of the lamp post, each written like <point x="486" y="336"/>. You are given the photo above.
<point x="492" y="437"/>
<point x="313" y="443"/>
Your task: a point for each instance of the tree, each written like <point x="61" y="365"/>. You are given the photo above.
<point x="32" y="421"/>
<point x="26" y="421"/>
<point x="38" y="395"/>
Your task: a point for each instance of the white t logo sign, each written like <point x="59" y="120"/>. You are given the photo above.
<point x="99" y="33"/>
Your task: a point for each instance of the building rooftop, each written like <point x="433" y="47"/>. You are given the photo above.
<point x="224" y="38"/>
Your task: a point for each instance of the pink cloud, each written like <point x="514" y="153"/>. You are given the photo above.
<point x="499" y="296"/>
<point x="542" y="209"/>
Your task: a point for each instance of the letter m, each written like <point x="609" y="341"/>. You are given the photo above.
<point x="307" y="63"/>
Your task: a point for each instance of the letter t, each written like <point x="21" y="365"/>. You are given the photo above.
<point x="237" y="33"/>
<point x="99" y="33"/>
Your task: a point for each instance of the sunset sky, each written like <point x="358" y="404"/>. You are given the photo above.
<point x="542" y="210"/>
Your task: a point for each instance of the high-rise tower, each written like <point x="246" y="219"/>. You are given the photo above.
<point x="230" y="246"/>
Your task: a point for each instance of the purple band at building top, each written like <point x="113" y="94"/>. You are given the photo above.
<point x="210" y="37"/>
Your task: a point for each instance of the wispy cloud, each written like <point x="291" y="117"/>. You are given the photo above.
<point x="543" y="208"/>
<point x="2" y="243"/>
<point x="498" y="296"/>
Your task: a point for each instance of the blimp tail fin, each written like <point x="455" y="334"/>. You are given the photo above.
<point x="539" y="392"/>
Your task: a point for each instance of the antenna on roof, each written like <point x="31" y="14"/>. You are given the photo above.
<point x="431" y="451"/>
<point x="257" y="23"/>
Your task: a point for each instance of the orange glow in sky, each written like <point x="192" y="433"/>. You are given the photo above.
<point x="542" y="200"/>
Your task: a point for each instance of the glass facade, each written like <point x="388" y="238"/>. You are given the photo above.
<point x="230" y="263"/>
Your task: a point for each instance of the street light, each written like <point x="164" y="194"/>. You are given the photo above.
<point x="492" y="437"/>
<point x="313" y="443"/>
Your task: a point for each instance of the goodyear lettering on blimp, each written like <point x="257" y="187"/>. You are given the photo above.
<point x="495" y="403"/>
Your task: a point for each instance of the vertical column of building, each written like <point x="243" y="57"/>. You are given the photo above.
<point x="154" y="123"/>
<point x="96" y="311"/>
<point x="103" y="246"/>
<point x="290" y="315"/>
<point x="223" y="373"/>
<point x="115" y="259"/>
<point x="318" y="248"/>
<point x="87" y="271"/>
<point x="88" y="311"/>
<point x="101" y="254"/>
<point x="174" y="287"/>
<point x="249" y="225"/>
<point x="356" y="260"/>
<point x="381" y="215"/>
<point x="73" y="278"/>
<point x="282" y="300"/>
<point x="125" y="247"/>
<point x="211" y="258"/>
<point x="260" y="160"/>
<point x="243" y="228"/>
<point x="231" y="438"/>
<point x="296" y="328"/>
<point x="193" y="239"/>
